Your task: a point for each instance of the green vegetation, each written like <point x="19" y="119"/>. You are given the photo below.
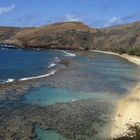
<point x="134" y="51"/>
<point x="122" y="51"/>
<point x="86" y="49"/>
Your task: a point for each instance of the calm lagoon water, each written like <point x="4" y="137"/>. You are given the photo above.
<point x="47" y="96"/>
<point x="48" y="135"/>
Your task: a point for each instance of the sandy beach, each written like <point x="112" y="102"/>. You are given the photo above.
<point x="130" y="58"/>
<point x="127" y="111"/>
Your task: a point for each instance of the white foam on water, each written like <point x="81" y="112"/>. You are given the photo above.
<point x="56" y="59"/>
<point x="54" y="63"/>
<point x="69" y="54"/>
<point x="9" y="80"/>
<point x="8" y="46"/>
<point x="37" y="77"/>
<point x="51" y="65"/>
<point x="4" y="48"/>
<point x="73" y="100"/>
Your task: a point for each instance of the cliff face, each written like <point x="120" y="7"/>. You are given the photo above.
<point x="75" y="35"/>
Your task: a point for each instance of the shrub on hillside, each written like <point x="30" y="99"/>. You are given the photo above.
<point x="134" y="51"/>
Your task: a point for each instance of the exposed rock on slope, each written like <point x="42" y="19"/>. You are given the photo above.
<point x="75" y="35"/>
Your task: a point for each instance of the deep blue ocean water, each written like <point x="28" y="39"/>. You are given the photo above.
<point x="16" y="64"/>
<point x="21" y="63"/>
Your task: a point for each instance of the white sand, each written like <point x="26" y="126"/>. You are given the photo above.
<point x="128" y="112"/>
<point x="133" y="59"/>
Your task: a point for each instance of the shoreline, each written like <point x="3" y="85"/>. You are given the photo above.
<point x="130" y="58"/>
<point x="78" y="111"/>
<point x="127" y="111"/>
<point x="127" y="114"/>
<point x="124" y="101"/>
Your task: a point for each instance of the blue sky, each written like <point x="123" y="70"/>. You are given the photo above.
<point x="96" y="13"/>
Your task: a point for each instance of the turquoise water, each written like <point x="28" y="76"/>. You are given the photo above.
<point x="103" y="77"/>
<point x="106" y="76"/>
<point x="48" y="135"/>
<point x="110" y="72"/>
<point x="47" y="96"/>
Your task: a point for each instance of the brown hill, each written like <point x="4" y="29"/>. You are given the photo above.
<point x="71" y="35"/>
<point x="75" y="35"/>
<point x="122" y="39"/>
<point x="61" y="35"/>
<point x="7" y="32"/>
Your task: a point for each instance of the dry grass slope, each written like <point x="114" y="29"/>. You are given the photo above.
<point x="76" y="35"/>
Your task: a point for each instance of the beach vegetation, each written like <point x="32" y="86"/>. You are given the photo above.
<point x="134" y="51"/>
<point x="122" y="51"/>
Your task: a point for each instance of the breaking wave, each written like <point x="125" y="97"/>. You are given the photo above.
<point x="54" y="63"/>
<point x="51" y="65"/>
<point x="40" y="76"/>
<point x="9" y="80"/>
<point x="69" y="54"/>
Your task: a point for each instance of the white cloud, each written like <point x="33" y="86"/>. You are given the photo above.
<point x="101" y="23"/>
<point x="4" y="10"/>
<point x="113" y="21"/>
<point x="72" y="18"/>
